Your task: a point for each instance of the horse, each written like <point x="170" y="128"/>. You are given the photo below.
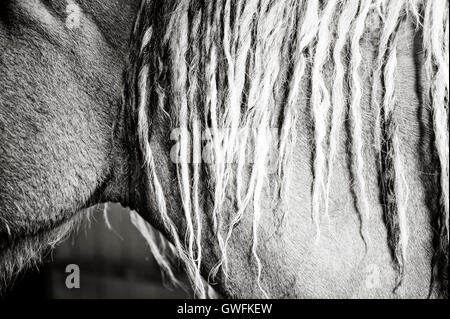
<point x="283" y="149"/>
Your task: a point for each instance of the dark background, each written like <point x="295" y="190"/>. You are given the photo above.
<point x="114" y="263"/>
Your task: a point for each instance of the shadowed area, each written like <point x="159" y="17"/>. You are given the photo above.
<point x="114" y="263"/>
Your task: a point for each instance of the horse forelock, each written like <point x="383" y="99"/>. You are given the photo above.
<point x="237" y="65"/>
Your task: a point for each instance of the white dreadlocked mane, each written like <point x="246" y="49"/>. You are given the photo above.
<point x="238" y="64"/>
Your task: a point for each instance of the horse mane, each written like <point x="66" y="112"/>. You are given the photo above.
<point x="237" y="65"/>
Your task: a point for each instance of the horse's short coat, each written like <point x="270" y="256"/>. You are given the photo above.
<point x="60" y="94"/>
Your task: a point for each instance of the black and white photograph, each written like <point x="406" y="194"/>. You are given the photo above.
<point x="250" y="150"/>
